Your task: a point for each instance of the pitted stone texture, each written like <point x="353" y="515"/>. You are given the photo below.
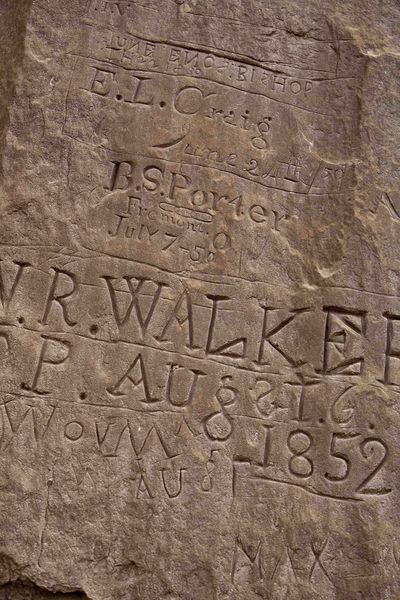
<point x="199" y="306"/>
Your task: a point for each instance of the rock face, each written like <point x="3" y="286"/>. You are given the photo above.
<point x="199" y="300"/>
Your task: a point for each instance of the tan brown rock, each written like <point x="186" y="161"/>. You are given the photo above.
<point x="200" y="309"/>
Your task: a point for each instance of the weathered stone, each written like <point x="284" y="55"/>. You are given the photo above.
<point x="199" y="300"/>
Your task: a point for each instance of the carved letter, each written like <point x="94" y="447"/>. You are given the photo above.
<point x="176" y="315"/>
<point x="134" y="291"/>
<point x="5" y="295"/>
<point x="392" y="351"/>
<point x="121" y="175"/>
<point x="267" y="334"/>
<point x="143" y="488"/>
<point x="153" y="432"/>
<point x="129" y="376"/>
<point x="185" y="401"/>
<point x="136" y="97"/>
<point x="177" y="493"/>
<point x="47" y="357"/>
<point x="227" y="348"/>
<point x="60" y="298"/>
<point x="102" y="81"/>
<point x="178" y="185"/>
<point x="248" y="561"/>
<point x="344" y="330"/>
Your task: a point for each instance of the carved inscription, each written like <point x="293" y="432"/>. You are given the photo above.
<point x="199" y="307"/>
<point x="316" y="418"/>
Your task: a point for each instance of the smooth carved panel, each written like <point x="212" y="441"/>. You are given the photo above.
<point x="199" y="300"/>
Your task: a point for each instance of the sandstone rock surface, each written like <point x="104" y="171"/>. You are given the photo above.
<point x="199" y="300"/>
